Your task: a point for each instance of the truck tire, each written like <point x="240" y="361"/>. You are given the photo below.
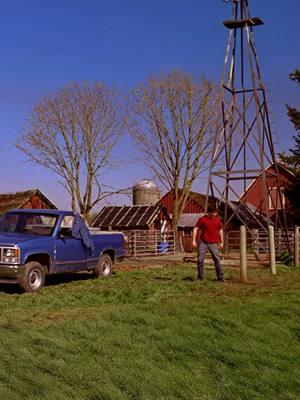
<point x="104" y="267"/>
<point x="34" y="277"/>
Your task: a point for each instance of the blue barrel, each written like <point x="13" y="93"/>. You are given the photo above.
<point x="162" y="247"/>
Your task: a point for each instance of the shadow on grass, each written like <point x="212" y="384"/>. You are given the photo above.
<point x="189" y="279"/>
<point x="163" y="278"/>
<point x="10" y="288"/>
<point x="60" y="279"/>
<point x="52" y="280"/>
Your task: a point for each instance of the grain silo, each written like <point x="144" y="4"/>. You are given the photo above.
<point x="145" y="192"/>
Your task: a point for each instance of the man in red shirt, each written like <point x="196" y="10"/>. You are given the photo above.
<point x="211" y="238"/>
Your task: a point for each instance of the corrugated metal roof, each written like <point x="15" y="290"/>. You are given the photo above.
<point x="188" y="220"/>
<point x="125" y="217"/>
<point x="249" y="214"/>
<point x="12" y="200"/>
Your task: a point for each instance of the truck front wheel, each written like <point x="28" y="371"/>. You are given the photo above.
<point x="34" y="277"/>
<point x="104" y="267"/>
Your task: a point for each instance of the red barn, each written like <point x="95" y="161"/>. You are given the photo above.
<point x="27" y="199"/>
<point x="193" y="209"/>
<point x="195" y="203"/>
<point x="255" y="193"/>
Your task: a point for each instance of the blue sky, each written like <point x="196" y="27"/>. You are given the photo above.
<point x="46" y="44"/>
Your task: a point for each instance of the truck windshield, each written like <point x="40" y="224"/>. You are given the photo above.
<point x="36" y="224"/>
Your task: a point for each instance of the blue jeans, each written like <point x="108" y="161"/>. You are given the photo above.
<point x="214" y="251"/>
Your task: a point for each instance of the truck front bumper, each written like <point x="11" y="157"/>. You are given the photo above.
<point x="10" y="273"/>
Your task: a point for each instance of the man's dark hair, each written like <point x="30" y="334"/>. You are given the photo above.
<point x="211" y="209"/>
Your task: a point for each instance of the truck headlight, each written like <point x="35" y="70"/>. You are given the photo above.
<point x="10" y="255"/>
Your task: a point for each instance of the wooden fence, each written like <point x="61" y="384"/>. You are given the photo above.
<point x="257" y="242"/>
<point x="146" y="243"/>
<point x="143" y="243"/>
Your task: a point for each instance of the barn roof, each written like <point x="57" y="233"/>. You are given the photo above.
<point x="199" y="198"/>
<point x="125" y="217"/>
<point x="246" y="212"/>
<point x="188" y="220"/>
<point x="12" y="200"/>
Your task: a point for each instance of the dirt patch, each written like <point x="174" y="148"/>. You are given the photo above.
<point x="130" y="263"/>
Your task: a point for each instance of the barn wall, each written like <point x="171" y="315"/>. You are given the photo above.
<point x="191" y="207"/>
<point x="256" y="195"/>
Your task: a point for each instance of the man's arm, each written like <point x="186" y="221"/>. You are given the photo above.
<point x="221" y="234"/>
<point x="195" y="231"/>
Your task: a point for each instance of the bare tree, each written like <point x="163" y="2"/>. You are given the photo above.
<point x="175" y="118"/>
<point x="72" y="133"/>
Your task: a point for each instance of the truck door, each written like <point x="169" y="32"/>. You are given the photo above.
<point x="70" y="254"/>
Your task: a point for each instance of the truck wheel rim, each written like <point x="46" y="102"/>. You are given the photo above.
<point x="35" y="279"/>
<point x="106" y="268"/>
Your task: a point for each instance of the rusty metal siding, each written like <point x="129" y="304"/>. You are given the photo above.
<point x="36" y="201"/>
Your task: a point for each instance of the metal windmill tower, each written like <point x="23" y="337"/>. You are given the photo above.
<point x="243" y="149"/>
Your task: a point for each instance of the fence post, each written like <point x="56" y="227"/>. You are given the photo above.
<point x="296" y="246"/>
<point x="243" y="254"/>
<point x="255" y="240"/>
<point x="272" y="250"/>
<point x="174" y="241"/>
<point x="134" y="243"/>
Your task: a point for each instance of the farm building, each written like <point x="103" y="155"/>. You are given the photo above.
<point x="255" y="196"/>
<point x="26" y="199"/>
<point x="193" y="210"/>
<point x="145" y="193"/>
<point x="147" y="228"/>
<point x="195" y="203"/>
<point x="185" y="228"/>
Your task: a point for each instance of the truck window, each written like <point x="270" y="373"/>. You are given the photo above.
<point x="66" y="226"/>
<point x="8" y="223"/>
<point x="33" y="223"/>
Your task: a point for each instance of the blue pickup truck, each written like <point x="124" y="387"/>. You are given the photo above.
<point x="36" y="243"/>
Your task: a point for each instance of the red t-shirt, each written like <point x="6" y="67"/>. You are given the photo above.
<point x="210" y="227"/>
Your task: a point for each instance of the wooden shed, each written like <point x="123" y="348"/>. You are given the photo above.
<point x="147" y="228"/>
<point x="185" y="228"/>
<point x="26" y="199"/>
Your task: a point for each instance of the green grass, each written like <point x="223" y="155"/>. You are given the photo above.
<point x="153" y="334"/>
